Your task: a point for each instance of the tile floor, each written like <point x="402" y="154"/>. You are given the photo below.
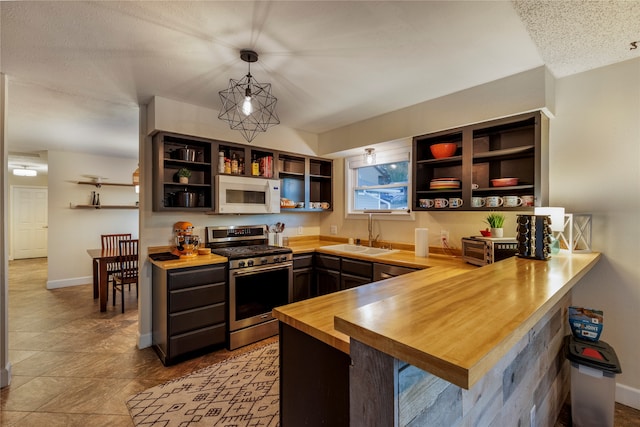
<point x="74" y="366"/>
<point x="71" y="364"/>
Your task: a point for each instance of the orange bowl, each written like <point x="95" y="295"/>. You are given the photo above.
<point x="504" y="182"/>
<point x="445" y="149"/>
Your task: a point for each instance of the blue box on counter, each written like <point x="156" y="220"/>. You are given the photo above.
<point x="586" y="323"/>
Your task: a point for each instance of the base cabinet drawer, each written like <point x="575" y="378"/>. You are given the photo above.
<point x="189" y="277"/>
<point x="196" y="318"/>
<point x="189" y="311"/>
<point x="195" y="340"/>
<point x="197" y="296"/>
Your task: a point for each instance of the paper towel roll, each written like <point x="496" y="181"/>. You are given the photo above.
<point x="422" y="242"/>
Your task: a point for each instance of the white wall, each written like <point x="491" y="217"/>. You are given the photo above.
<point x="527" y="91"/>
<point x="595" y="168"/>
<point x="73" y="231"/>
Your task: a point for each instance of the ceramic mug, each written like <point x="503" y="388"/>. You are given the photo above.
<point x="315" y="205"/>
<point x="426" y="203"/>
<point x="527" y="200"/>
<point x="477" y="202"/>
<point x="493" y="201"/>
<point x="512" y="201"/>
<point x="324" y="205"/>
<point x="440" y="203"/>
<point x="454" y="202"/>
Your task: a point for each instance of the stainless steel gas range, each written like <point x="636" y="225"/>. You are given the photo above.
<point x="260" y="279"/>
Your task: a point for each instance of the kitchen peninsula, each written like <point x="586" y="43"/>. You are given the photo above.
<point x="441" y="346"/>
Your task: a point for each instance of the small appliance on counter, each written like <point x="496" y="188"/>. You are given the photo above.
<point x="478" y="250"/>
<point x="186" y="242"/>
<point x="534" y="236"/>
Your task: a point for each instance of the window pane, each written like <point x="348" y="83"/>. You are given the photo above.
<point x="382" y="186"/>
<point x="381" y="198"/>
<point x="389" y="173"/>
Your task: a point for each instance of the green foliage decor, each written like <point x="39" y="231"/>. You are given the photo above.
<point x="184" y="172"/>
<point x="495" y="220"/>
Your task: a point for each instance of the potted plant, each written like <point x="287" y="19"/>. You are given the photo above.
<point x="496" y="222"/>
<point x="183" y="175"/>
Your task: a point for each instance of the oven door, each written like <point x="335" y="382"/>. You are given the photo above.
<point x="254" y="292"/>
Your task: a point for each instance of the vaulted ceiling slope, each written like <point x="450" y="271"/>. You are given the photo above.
<point x="78" y="70"/>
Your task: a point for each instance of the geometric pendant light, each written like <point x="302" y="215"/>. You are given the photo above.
<point x="247" y="105"/>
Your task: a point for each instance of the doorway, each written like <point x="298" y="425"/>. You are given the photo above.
<point x="29" y="222"/>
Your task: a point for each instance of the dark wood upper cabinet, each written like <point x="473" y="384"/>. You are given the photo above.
<point x="511" y="147"/>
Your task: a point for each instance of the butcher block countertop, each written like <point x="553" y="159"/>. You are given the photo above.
<point x="458" y="327"/>
<point x="312" y="244"/>
<point x="316" y="316"/>
<point x="195" y="261"/>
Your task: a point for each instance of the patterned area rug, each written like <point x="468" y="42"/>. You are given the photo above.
<point x="242" y="391"/>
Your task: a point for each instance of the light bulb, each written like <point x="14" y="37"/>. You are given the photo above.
<point x="247" y="107"/>
<point x="370" y="156"/>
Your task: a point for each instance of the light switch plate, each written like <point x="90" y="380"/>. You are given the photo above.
<point x="334" y="229"/>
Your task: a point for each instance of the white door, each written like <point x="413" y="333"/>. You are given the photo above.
<point x="29" y="217"/>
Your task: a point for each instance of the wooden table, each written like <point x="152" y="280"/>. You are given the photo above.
<point x="101" y="257"/>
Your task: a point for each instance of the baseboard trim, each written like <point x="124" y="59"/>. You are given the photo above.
<point x="628" y="396"/>
<point x="5" y="375"/>
<point x="144" y="340"/>
<point x="65" y="283"/>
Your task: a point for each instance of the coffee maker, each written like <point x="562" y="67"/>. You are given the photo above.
<point x="534" y="236"/>
<point x="186" y="242"/>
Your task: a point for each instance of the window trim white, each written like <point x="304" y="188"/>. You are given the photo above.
<point x="351" y="165"/>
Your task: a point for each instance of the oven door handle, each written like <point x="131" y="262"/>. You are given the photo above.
<point x="260" y="269"/>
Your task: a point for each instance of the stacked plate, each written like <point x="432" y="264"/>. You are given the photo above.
<point x="444" y="184"/>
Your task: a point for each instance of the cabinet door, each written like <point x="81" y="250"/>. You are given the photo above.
<point x="328" y="281"/>
<point x="303" y="284"/>
<point x="348" y="281"/>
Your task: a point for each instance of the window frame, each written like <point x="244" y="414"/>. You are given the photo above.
<point x="351" y="166"/>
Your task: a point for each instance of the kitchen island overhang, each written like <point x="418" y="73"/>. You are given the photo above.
<point x="459" y="328"/>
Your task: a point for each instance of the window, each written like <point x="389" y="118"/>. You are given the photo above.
<point x="384" y="185"/>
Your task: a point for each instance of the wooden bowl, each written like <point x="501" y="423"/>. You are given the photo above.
<point x="443" y="150"/>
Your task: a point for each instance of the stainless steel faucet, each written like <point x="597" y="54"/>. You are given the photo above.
<point x="370" y="212"/>
<point x="371" y="230"/>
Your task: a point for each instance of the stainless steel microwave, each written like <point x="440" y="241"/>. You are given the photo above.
<point x="246" y="195"/>
<point x="486" y="250"/>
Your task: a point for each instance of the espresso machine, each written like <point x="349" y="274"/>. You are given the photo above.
<point x="534" y="236"/>
<point x="186" y="242"/>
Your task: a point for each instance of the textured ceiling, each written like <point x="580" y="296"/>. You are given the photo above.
<point x="78" y="70"/>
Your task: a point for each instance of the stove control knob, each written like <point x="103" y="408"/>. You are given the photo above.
<point x="263" y="260"/>
<point x="250" y="263"/>
<point x="241" y="264"/>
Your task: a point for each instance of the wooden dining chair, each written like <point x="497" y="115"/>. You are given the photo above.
<point x="110" y="241"/>
<point x="127" y="273"/>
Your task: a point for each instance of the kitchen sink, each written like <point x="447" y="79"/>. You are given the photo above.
<point x="358" y="249"/>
